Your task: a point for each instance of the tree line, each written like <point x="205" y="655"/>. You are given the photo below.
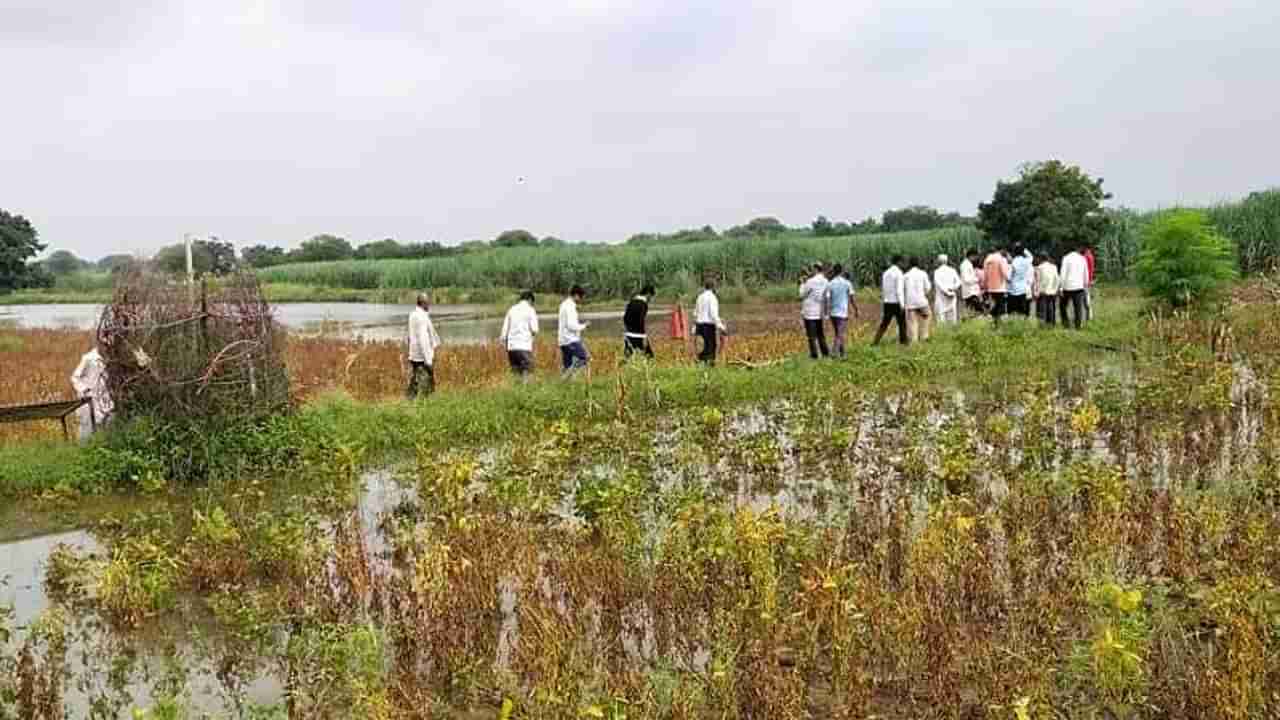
<point x="216" y="257"/>
<point x="1050" y="206"/>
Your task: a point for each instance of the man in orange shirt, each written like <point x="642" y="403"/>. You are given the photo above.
<point x="995" y="272"/>
<point x="1088" y="295"/>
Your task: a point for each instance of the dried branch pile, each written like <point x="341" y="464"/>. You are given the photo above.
<point x="192" y="353"/>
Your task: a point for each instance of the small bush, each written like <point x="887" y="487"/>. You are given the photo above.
<point x="1183" y="260"/>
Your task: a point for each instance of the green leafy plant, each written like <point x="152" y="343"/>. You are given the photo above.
<point x="1183" y="260"/>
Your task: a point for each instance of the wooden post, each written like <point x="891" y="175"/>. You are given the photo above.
<point x="204" y="316"/>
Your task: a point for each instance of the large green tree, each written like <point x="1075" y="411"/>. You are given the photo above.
<point x="516" y="238"/>
<point x="758" y="227"/>
<point x="260" y="256"/>
<point x="18" y="244"/>
<point x="323" y="248"/>
<point x="116" y="263"/>
<point x="207" y="256"/>
<point x="1051" y="207"/>
<point x="64" y="262"/>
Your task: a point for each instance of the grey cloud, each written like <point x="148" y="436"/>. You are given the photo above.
<point x="270" y="120"/>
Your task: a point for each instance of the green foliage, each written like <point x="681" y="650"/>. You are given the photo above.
<point x="1051" y="207"/>
<point x="84" y="282"/>
<point x="261" y="256"/>
<point x="1254" y="226"/>
<point x="617" y="271"/>
<point x="920" y="217"/>
<point x="758" y="227"/>
<point x="679" y="237"/>
<point x="115" y="263"/>
<point x="1183" y="260"/>
<point x="64" y="262"/>
<point x="516" y="238"/>
<point x="208" y="257"/>
<point x="389" y="248"/>
<point x="323" y="248"/>
<point x="18" y="244"/>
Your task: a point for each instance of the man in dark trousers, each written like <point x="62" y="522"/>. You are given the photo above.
<point x="707" y="322"/>
<point x="634" y="335"/>
<point x="891" y="294"/>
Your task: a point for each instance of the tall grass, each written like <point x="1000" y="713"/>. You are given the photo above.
<point x="1253" y="224"/>
<point x="620" y="270"/>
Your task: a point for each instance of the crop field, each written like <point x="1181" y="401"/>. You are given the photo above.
<point x="1253" y="224"/>
<point x="1087" y="536"/>
<point x="617" y="271"/>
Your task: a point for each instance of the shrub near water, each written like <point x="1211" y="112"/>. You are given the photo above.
<point x="1183" y="260"/>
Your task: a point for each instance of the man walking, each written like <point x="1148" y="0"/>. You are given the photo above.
<point x="1075" y="282"/>
<point x="518" y="330"/>
<point x="839" y="299"/>
<point x="995" y="272"/>
<point x="1088" y="289"/>
<point x="916" y="287"/>
<point x="970" y="285"/>
<point x="707" y="322"/>
<point x="946" y="298"/>
<point x="1045" y="288"/>
<point x="1020" y="282"/>
<point x="891" y="297"/>
<point x="423" y="342"/>
<point x="89" y="380"/>
<point x="635" y="337"/>
<point x="573" y="354"/>
<point x="813" y="305"/>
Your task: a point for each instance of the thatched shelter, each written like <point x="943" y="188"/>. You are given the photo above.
<point x="192" y="352"/>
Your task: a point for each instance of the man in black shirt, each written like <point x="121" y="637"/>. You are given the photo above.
<point x="635" y="338"/>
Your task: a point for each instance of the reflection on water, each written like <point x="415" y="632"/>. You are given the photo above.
<point x="457" y="324"/>
<point x="22" y="566"/>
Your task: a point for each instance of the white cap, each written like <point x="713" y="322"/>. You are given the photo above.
<point x="942" y="259"/>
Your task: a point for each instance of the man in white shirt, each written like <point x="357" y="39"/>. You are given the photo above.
<point x="915" y="288"/>
<point x="89" y="380"/>
<point x="518" y="330"/>
<point x="423" y="342"/>
<point x="891" y="296"/>
<point x="707" y="323"/>
<point x="1045" y="289"/>
<point x="970" y="285"/>
<point x="946" y="300"/>
<point x="813" y="306"/>
<point x="573" y="354"/>
<point x="1074" y="280"/>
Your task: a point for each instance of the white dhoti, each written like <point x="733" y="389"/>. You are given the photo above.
<point x="90" y="381"/>
<point x="947" y="309"/>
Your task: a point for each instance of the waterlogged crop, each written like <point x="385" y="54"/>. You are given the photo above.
<point x="1040" y="547"/>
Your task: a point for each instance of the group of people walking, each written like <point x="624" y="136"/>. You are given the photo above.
<point x="519" y="328"/>
<point x="1007" y="281"/>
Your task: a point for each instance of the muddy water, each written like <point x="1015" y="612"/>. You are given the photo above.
<point x="457" y="324"/>
<point x="22" y="568"/>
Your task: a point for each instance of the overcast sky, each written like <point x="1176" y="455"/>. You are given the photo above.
<point x="126" y="123"/>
